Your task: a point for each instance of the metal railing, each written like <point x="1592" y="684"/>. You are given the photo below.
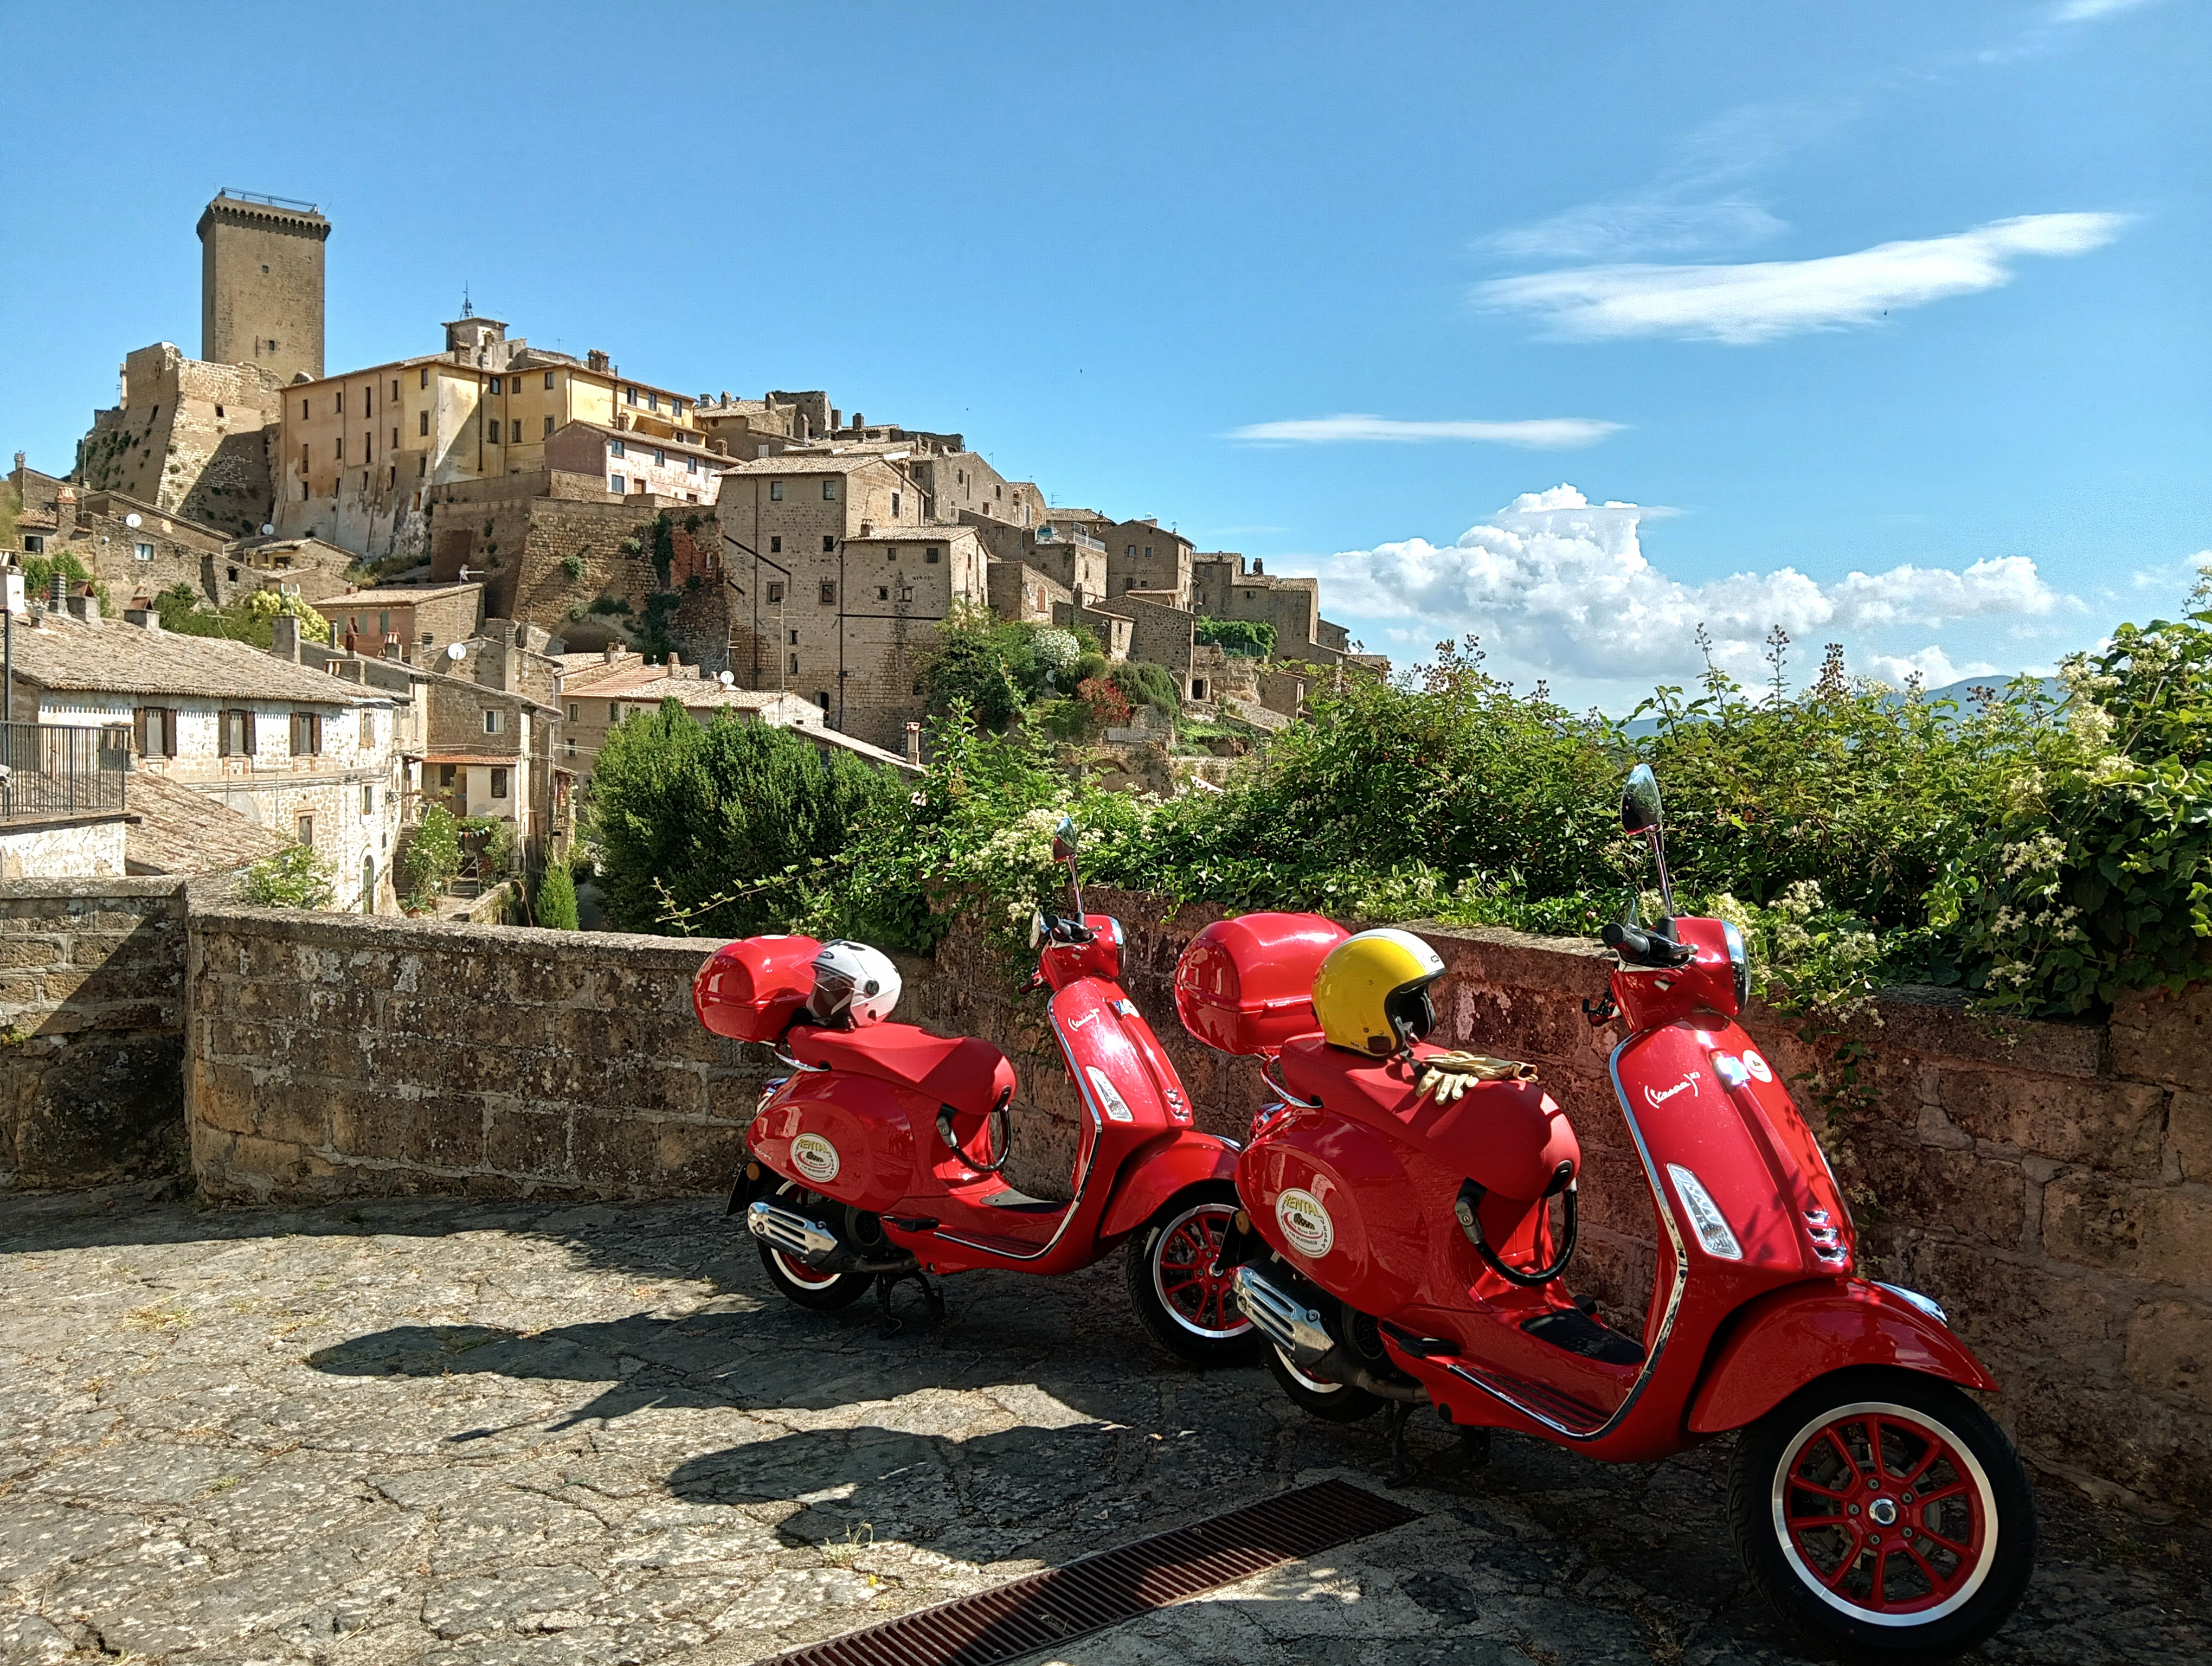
<point x="48" y="769"/>
<point x="1048" y="532"/>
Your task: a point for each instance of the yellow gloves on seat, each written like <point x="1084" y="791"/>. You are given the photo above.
<point x="1448" y="1075"/>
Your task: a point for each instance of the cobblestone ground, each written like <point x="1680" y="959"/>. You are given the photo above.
<point x="443" y="1432"/>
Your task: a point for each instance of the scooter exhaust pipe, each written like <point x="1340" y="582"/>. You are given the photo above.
<point x="1300" y="1332"/>
<point x="813" y="1242"/>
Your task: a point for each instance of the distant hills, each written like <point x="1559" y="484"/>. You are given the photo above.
<point x="1961" y="693"/>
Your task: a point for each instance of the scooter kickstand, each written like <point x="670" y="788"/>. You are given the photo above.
<point x="1474" y="1446"/>
<point x="890" y="1324"/>
<point x="933" y="1296"/>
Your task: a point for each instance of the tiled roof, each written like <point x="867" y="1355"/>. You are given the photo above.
<point x="180" y="830"/>
<point x="396" y="595"/>
<point x="113" y="658"/>
<point x="705" y="692"/>
<point x="807" y="462"/>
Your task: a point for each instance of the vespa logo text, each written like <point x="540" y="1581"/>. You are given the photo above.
<point x="815" y="1157"/>
<point x="1305" y="1223"/>
<point x="1659" y="1096"/>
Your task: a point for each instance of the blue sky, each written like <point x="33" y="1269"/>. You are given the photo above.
<point x="1913" y="293"/>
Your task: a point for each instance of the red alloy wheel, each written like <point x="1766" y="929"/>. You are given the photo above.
<point x="1183" y="1273"/>
<point x="1885" y="1514"/>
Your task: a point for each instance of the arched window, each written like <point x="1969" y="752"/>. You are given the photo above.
<point x="368" y="885"/>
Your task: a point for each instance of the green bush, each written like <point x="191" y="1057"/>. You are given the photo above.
<point x="699" y="827"/>
<point x="1250" y="639"/>
<point x="556" y="899"/>
<point x="430" y="858"/>
<point x="1144" y="684"/>
<point x="572" y="567"/>
<point x="293" y="878"/>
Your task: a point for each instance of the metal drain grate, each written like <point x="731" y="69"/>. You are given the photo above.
<point x="1050" y="1607"/>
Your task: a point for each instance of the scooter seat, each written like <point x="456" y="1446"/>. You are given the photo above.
<point x="964" y="1072"/>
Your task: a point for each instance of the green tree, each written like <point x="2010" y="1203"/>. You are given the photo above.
<point x="698" y="827"/>
<point x="556" y="899"/>
<point x="293" y="878"/>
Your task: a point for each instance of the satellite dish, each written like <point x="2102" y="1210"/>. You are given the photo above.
<point x="455" y="650"/>
<point x="268" y="529"/>
<point x="131" y="520"/>
<point x="724" y="679"/>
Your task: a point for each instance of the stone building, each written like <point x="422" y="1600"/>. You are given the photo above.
<point x="298" y="751"/>
<point x="1144" y="556"/>
<point x="261" y="285"/>
<point x="188" y="436"/>
<point x="679" y="466"/>
<point x="360" y="455"/>
<point x="414" y="623"/>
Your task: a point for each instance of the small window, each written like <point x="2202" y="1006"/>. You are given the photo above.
<point x="367" y="727"/>
<point x="775" y="491"/>
<point x="425" y="374"/>
<point x="1148" y="552"/>
<point x="307" y="734"/>
<point x="794" y="639"/>
<point x="264" y="272"/>
<point x="341" y="449"/>
<point x="570" y="745"/>
<point x="574" y="712"/>
<point x="774" y="592"/>
<point x="218" y="413"/>
<point x="652" y="402"/>
<point x="630" y="396"/>
<point x="617" y="484"/>
<point x="828" y="593"/>
<point x="932" y="557"/>
<point x="794" y="664"/>
<point x="395" y="387"/>
<point x="143" y="551"/>
<point x="775" y="548"/>
<point x="821" y="699"/>
<point x="495" y="384"/>
<point x="383" y="629"/>
<point x="422" y="423"/>
<point x="34" y="543"/>
<point x="615" y="448"/>
<point x="304" y="831"/>
<point x="428" y="640"/>
<point x="338" y="401"/>
<point x="445" y="774"/>
<point x="691" y="464"/>
<point x="659" y="458"/>
<point x="882" y="592"/>
<point x="157" y="731"/>
<point x="828" y="544"/>
<point x="549" y="428"/>
<point x="367" y="799"/>
<point x="1132" y="552"/>
<point x="499" y="783"/>
<point x="234" y="734"/>
<point x="303" y="410"/>
<point x="614" y="711"/>
<point x="895" y="506"/>
<point x="491" y="720"/>
<point x="829" y="491"/>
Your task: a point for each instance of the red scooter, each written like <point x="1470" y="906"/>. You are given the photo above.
<point x="1397" y="1250"/>
<point x="880" y="1158"/>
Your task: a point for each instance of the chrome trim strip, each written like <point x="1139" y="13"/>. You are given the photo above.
<point x="1674" y="1298"/>
<point x="1083" y="1180"/>
<point x="1287" y="1096"/>
<point x="1926" y="1303"/>
<point x="784" y="1058"/>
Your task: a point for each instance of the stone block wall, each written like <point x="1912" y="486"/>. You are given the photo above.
<point x="334" y="1055"/>
<point x="92" y="994"/>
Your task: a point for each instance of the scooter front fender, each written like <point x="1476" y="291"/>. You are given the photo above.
<point x="1776" y="1344"/>
<point x="1156" y="1171"/>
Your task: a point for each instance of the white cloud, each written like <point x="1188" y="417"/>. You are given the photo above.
<point x="1930" y="665"/>
<point x="2088" y="11"/>
<point x="1597" y="231"/>
<point x="1560" y="586"/>
<point x="1540" y="434"/>
<point x="1765" y="299"/>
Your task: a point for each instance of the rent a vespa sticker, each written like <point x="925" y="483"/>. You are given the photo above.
<point x="1305" y="1223"/>
<point x="1736" y="1071"/>
<point x="815" y="1157"/>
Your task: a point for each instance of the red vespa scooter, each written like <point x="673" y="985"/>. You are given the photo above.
<point x="1397" y="1250"/>
<point x="880" y="1158"/>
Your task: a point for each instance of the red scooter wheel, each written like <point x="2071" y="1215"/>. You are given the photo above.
<point x="1333" y="1403"/>
<point x="809" y="1286"/>
<point x="1187" y="1308"/>
<point x="1884" y="1513"/>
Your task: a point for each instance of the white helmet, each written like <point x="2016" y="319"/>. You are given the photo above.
<point x="853" y="985"/>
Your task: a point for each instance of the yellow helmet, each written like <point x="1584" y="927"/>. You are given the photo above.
<point x="1371" y="994"/>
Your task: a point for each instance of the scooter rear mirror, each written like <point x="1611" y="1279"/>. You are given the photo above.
<point x="1639" y="800"/>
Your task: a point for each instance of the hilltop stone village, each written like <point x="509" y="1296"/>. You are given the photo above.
<point x="513" y="547"/>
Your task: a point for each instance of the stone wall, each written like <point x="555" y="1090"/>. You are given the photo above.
<point x="340" y="1056"/>
<point x="2050" y="1184"/>
<point x="92" y="992"/>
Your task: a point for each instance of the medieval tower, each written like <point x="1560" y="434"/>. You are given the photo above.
<point x="261" y="285"/>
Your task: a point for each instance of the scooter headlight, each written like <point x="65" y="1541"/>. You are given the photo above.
<point x="1739" y="964"/>
<point x="1706" y="1219"/>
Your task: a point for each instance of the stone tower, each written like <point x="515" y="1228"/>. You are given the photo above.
<point x="261" y="285"/>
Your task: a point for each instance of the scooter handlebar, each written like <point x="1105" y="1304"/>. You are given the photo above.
<point x="1644" y="948"/>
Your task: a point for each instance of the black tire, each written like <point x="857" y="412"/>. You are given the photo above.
<point x="1181" y="1304"/>
<point x="824" y="1292"/>
<point x="1332" y="1403"/>
<point x="1946" y="1475"/>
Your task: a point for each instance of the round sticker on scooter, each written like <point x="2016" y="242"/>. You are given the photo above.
<point x="1758" y="1067"/>
<point x="1305" y="1223"/>
<point x="815" y="1157"/>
